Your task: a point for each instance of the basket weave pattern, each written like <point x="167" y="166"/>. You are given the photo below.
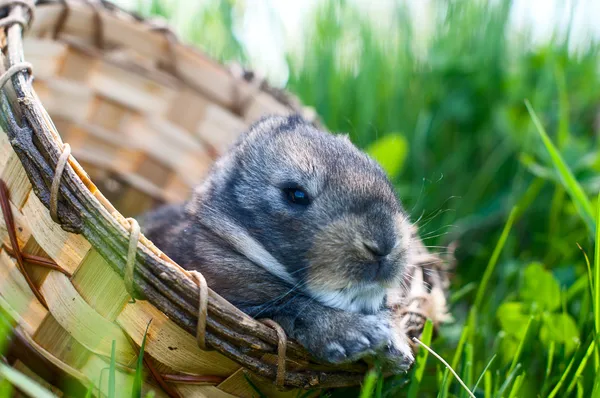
<point x="145" y="117"/>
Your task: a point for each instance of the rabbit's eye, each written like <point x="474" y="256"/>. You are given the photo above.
<point x="296" y="196"/>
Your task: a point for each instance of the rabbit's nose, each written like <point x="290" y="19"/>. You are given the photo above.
<point x="378" y="249"/>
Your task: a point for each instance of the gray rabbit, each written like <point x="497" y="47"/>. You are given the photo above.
<point x="298" y="225"/>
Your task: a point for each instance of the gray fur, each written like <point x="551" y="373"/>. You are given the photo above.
<point x="308" y="268"/>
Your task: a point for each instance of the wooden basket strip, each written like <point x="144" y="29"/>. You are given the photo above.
<point x="76" y="65"/>
<point x="23" y="232"/>
<point x="135" y="200"/>
<point x="21" y="367"/>
<point x="131" y="90"/>
<point x="148" y="187"/>
<point x="113" y="140"/>
<point x="65" y="377"/>
<point x="211" y="123"/>
<point x="170" y="344"/>
<point x="66" y="98"/>
<point x="181" y="153"/>
<point x="76" y="316"/>
<point x="89" y="145"/>
<point x="52" y="369"/>
<point x="202" y="391"/>
<point x="59" y="342"/>
<point x="17" y="297"/>
<point x="263" y="104"/>
<point x="100" y="286"/>
<point x="219" y="129"/>
<point x="36" y="273"/>
<point x="238" y="386"/>
<point x="189" y="108"/>
<point x="92" y="147"/>
<point x="16" y="180"/>
<point x="108" y="116"/>
<point x="46" y="55"/>
<point x="64" y="248"/>
<point x="176" y="136"/>
<point x="177" y="190"/>
<point x="157" y="172"/>
<point x="124" y="58"/>
<point x="5" y="150"/>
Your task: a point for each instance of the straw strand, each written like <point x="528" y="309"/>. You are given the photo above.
<point x="281" y="350"/>
<point x="134" y="237"/>
<point x="202" y="309"/>
<point x="55" y="187"/>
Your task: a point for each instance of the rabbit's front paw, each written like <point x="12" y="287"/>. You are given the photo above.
<point x="397" y="355"/>
<point x="353" y="338"/>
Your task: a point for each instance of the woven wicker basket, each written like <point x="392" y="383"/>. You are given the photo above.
<point x="144" y="116"/>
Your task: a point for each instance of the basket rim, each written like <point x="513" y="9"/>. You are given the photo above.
<point x="82" y="209"/>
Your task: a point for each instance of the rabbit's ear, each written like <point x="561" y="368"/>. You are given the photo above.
<point x="271" y="126"/>
<point x="278" y="124"/>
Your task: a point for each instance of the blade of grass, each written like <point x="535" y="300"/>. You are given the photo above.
<point x="24" y="383"/>
<point x="581" y="285"/>
<point x="136" y="389"/>
<point x="462" y="292"/>
<point x="481" y="376"/>
<point x="597" y="274"/>
<point x="482" y="290"/>
<point x="447" y="379"/>
<point x="589" y="272"/>
<point x="563" y="105"/>
<point x="369" y="384"/>
<point x="551" y="350"/>
<point x="487" y="384"/>
<point x="578" y="196"/>
<point x="112" y="372"/>
<point x="468" y="366"/>
<point x="254" y="386"/>
<point x="6" y="389"/>
<point x="580" y="389"/>
<point x="516" y="386"/>
<point x="443" y="392"/>
<point x="420" y="362"/>
<point x="508" y="381"/>
<point x="557" y="208"/>
<point x="581" y="368"/>
<point x="435" y="354"/>
<point x="556" y="388"/>
<point x="517" y="356"/>
<point x="90" y="391"/>
<point x="593" y="293"/>
<point x="379" y="387"/>
<point x="596" y="390"/>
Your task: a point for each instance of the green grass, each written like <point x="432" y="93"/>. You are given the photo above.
<point x="420" y="362"/>
<point x="492" y="143"/>
<point x="23" y="383"/>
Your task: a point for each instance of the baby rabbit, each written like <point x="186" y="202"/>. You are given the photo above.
<point x="298" y="225"/>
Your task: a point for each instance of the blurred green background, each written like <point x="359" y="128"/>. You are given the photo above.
<point x="439" y="99"/>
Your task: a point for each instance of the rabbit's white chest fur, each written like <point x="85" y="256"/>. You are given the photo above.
<point x="360" y="298"/>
